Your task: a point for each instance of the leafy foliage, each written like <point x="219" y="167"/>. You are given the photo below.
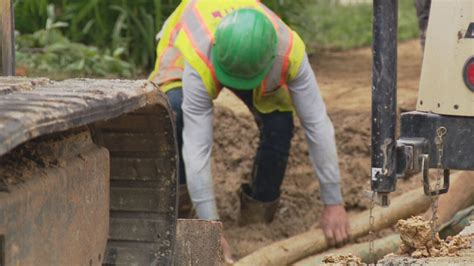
<point x="49" y="51"/>
<point x="125" y="25"/>
<point x="126" y="29"/>
<point x="332" y="25"/>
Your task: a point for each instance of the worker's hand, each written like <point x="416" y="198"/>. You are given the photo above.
<point x="227" y="252"/>
<point x="335" y="225"/>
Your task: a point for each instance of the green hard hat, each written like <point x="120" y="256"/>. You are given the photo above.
<point x="244" y="49"/>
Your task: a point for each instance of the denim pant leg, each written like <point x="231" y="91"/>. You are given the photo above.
<point x="175" y="97"/>
<point x="276" y="132"/>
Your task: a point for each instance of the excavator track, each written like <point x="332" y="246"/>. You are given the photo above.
<point x="141" y="173"/>
<point x="128" y="130"/>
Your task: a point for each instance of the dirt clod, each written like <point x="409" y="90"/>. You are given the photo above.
<point x="417" y="240"/>
<point x="348" y="259"/>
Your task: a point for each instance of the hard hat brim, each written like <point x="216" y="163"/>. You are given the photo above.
<point x="233" y="82"/>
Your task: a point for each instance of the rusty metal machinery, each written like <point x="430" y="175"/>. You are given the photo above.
<point x="88" y="172"/>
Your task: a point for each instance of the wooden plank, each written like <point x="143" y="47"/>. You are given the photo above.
<point x="7" y="37"/>
<point x="198" y="242"/>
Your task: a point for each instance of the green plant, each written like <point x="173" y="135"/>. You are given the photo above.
<point x="49" y="52"/>
<point x="332" y="25"/>
<point x="30" y="15"/>
<point x="124" y="27"/>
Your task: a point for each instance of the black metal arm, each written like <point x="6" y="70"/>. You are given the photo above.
<point x="384" y="96"/>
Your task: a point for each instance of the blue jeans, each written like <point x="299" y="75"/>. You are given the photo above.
<point x="276" y="132"/>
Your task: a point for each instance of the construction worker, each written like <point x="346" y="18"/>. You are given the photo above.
<point x="206" y="45"/>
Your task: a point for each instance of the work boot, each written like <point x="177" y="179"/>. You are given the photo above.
<point x="185" y="205"/>
<point x="254" y="211"/>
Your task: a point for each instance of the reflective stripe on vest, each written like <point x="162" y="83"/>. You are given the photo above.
<point x="171" y="66"/>
<point x="200" y="37"/>
<point x="278" y="74"/>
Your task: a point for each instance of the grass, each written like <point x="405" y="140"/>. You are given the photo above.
<point x="47" y="52"/>
<point x="329" y="25"/>
<point x="114" y="26"/>
<point x="102" y="36"/>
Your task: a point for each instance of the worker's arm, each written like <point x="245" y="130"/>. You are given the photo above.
<point x="319" y="132"/>
<point x="197" y="144"/>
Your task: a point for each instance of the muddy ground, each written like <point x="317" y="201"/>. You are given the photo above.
<point x="345" y="82"/>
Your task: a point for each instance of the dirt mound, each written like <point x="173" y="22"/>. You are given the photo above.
<point x="343" y="259"/>
<point x="418" y="242"/>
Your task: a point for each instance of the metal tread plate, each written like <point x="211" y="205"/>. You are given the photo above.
<point x="33" y="107"/>
<point x="142" y="188"/>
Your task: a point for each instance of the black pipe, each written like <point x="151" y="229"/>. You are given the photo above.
<point x="384" y="95"/>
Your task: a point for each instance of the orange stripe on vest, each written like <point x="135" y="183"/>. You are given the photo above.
<point x="286" y="63"/>
<point x="201" y="55"/>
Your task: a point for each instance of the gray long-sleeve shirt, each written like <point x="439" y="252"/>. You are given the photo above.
<point x="198" y="137"/>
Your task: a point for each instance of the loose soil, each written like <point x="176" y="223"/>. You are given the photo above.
<point x="47" y="151"/>
<point x="419" y="249"/>
<point x="418" y="242"/>
<point x="345" y="82"/>
<point x="343" y="259"/>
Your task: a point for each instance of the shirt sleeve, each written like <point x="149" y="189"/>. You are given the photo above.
<point x="319" y="132"/>
<point x="197" y="144"/>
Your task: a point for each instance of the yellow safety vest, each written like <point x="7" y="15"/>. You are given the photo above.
<point x="189" y="35"/>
